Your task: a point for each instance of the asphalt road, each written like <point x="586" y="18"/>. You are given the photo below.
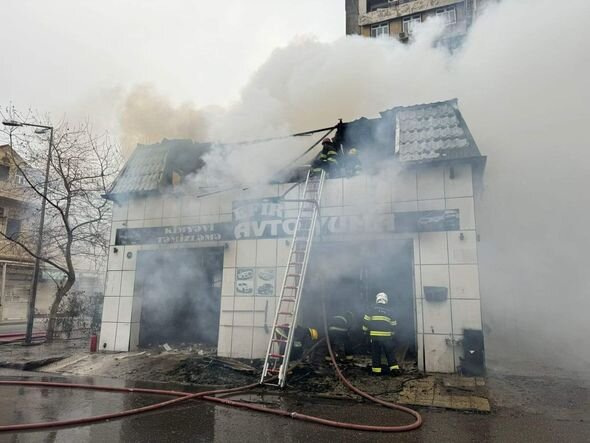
<point x="199" y="421"/>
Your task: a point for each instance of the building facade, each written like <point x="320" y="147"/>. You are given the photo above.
<point x="398" y="18"/>
<point x="210" y="269"/>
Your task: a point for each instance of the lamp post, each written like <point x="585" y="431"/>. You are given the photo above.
<point x="33" y="294"/>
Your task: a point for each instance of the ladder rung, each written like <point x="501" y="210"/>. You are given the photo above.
<point x="293" y="275"/>
<point x="286" y="313"/>
<point x="288" y="300"/>
<point x="274" y="371"/>
<point x="291" y="287"/>
<point x="276" y="355"/>
<point x="296" y="264"/>
<point x="279" y="340"/>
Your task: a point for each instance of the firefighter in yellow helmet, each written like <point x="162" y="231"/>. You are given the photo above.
<point x="327" y="159"/>
<point x="303" y="339"/>
<point x="352" y="164"/>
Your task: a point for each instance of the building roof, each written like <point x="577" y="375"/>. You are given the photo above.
<point x="431" y="131"/>
<point x="410" y="134"/>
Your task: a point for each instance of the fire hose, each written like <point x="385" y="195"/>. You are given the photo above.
<point x="210" y="396"/>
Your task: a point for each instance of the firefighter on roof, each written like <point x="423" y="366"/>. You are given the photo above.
<point x="352" y="164"/>
<point x="327" y="160"/>
<point x="379" y="324"/>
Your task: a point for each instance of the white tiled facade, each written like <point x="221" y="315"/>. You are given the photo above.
<point x="443" y="259"/>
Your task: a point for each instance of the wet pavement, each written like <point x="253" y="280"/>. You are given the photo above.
<point x="201" y="421"/>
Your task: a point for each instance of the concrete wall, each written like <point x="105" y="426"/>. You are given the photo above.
<point x="447" y="259"/>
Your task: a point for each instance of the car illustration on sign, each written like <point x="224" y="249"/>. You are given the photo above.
<point x="245" y="273"/>
<point x="244" y="287"/>
<point x="266" y="289"/>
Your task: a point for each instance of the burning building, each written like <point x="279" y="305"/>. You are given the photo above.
<point x="209" y="268"/>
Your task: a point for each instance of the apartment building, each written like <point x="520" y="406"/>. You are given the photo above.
<point x="399" y="18"/>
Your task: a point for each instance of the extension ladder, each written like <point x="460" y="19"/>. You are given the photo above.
<point x="285" y="322"/>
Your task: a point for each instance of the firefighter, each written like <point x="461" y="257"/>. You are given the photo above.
<point x="327" y="160"/>
<point x="380" y="325"/>
<point x="352" y="164"/>
<point x="303" y="339"/>
<point x="339" y="329"/>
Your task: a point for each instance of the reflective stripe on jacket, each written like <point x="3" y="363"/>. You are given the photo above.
<point x="339" y="323"/>
<point x="379" y="322"/>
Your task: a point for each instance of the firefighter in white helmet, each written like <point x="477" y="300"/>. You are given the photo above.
<point x="378" y="322"/>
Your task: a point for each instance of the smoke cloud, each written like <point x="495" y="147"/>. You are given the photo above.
<point x="522" y="88"/>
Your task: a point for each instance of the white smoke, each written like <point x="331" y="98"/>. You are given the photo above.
<point x="521" y="79"/>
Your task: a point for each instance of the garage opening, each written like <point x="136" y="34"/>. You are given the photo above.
<point x="180" y="293"/>
<point x="352" y="274"/>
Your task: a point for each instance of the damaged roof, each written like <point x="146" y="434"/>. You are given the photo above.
<point x="431" y="131"/>
<point x="150" y="167"/>
<point x="410" y="134"/>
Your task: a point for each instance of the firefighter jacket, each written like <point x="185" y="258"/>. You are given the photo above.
<point x="339" y="323"/>
<point x="379" y="322"/>
<point x="329" y="154"/>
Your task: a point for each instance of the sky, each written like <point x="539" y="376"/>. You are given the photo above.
<point x="79" y="58"/>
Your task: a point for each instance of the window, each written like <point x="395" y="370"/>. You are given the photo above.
<point x="4" y="172"/>
<point x="13" y="228"/>
<point x="409" y="23"/>
<point x="380" y="30"/>
<point x="448" y="15"/>
<point x="19" y="179"/>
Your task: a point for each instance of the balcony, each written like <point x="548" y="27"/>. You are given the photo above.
<point x="384" y="10"/>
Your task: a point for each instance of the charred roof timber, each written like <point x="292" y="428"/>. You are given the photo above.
<point x="411" y="135"/>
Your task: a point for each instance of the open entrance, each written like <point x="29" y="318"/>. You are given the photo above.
<point x="180" y="292"/>
<point x="353" y="272"/>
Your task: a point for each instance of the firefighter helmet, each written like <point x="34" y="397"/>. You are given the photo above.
<point x="313" y="333"/>
<point x="326" y="141"/>
<point x="382" y="298"/>
<point x="352" y="151"/>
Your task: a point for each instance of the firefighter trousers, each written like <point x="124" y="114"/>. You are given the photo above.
<point x="385" y="345"/>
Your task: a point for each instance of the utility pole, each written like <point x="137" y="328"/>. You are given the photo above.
<point x="39" y="247"/>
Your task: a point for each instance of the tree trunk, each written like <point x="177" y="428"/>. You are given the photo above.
<point x="59" y="296"/>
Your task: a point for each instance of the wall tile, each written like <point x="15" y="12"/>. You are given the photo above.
<point x="120" y="211"/>
<point x="136" y="209"/>
<point x="435" y="275"/>
<point x="462" y="251"/>
<point x="266" y="252"/>
<point x="417" y="281"/>
<point x="466" y="211"/>
<point x="136" y="310"/>
<point x="113" y="283"/>
<point x="430" y="182"/>
<point x="419" y="318"/>
<point x="462" y="183"/>
<point x="226" y="317"/>
<point x="229" y="254"/>
<point x="114" y="226"/>
<point x="407" y="206"/>
<point x="416" y="249"/>
<point x="152" y="223"/>
<point x="431" y="205"/>
<point x="246" y="253"/>
<point x="264" y="311"/>
<point x="379" y="189"/>
<point x="332" y="193"/>
<point x="172" y="205"/>
<point x="241" y="344"/>
<point x="420" y="348"/>
<point x="280" y="277"/>
<point x="107" y="336"/>
<point x="458" y="347"/>
<point x="115" y="258"/>
<point x="125" y="308"/>
<point x="110" y="309"/>
<point x="433" y="248"/>
<point x="439" y="354"/>
<point x="437" y="317"/>
<point x="127" y="283"/>
<point x="243" y="311"/>
<point x="130" y="258"/>
<point x="224" y="341"/>
<point x="464" y="281"/>
<point x="153" y="207"/>
<point x="210" y="205"/>
<point x="226" y="200"/>
<point x="404" y="186"/>
<point x="134" y="337"/>
<point x="260" y="342"/>
<point x="228" y="282"/>
<point x="283" y="249"/>
<point x="354" y="191"/>
<point x="209" y="218"/>
<point x="122" y="337"/>
<point x="171" y="221"/>
<point x="135" y="224"/>
<point x="466" y="315"/>
<point x="190" y="207"/>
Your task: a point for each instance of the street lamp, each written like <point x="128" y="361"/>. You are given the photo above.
<point x="33" y="295"/>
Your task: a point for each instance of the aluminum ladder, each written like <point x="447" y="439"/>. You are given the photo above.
<point x="285" y="322"/>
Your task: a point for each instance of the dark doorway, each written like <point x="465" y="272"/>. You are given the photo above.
<point x="352" y="274"/>
<point x="180" y="291"/>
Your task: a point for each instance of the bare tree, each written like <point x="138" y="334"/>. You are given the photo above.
<point x="77" y="220"/>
